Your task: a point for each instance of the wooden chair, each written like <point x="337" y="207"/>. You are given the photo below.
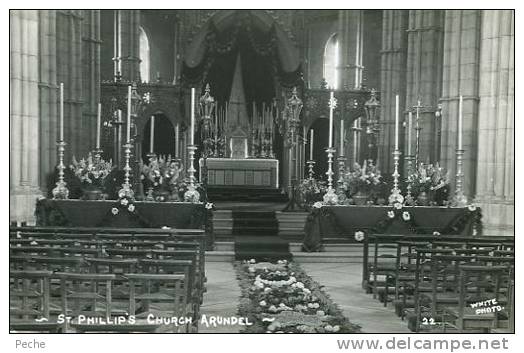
<point x="29" y="300"/>
<point x="486" y="281"/>
<point x="81" y="295"/>
<point x="145" y="289"/>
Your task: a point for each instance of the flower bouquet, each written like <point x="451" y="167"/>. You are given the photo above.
<point x="363" y="182"/>
<point x="311" y="190"/>
<point x="161" y="176"/>
<point x="430" y="184"/>
<point x="91" y="172"/>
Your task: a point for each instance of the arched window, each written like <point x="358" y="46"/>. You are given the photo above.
<point x="331" y="60"/>
<point x="144" y="56"/>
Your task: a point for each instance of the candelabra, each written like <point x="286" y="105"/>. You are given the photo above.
<point x="409" y="171"/>
<point x="459" y="200"/>
<point x="126" y="190"/>
<point x="330" y="197"/>
<point x="396" y="196"/>
<point x="292" y="114"/>
<point x="61" y="191"/>
<point x="311" y="165"/>
<point x="192" y="193"/>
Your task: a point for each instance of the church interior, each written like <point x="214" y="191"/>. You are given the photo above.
<point x="259" y="171"/>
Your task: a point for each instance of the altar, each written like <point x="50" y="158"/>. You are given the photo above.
<point x="242" y="172"/>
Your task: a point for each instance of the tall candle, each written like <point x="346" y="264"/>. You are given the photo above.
<point x="331" y="98"/>
<point x="98" y="118"/>
<point x="311" y="134"/>
<point x="460" y="124"/>
<point x="396" y="121"/>
<point x="61" y="111"/>
<point x="341" y="152"/>
<point x="410" y="125"/>
<point x="152" y="135"/>
<point x="192" y="115"/>
<point x="128" y="130"/>
<point x="177" y="141"/>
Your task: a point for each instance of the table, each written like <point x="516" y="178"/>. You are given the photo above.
<point x="343" y="222"/>
<point x="83" y="213"/>
<point x="244" y="172"/>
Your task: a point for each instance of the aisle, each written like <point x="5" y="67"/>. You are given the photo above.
<point x="342" y="282"/>
<point x="221" y="298"/>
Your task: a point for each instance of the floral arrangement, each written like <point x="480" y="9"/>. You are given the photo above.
<point x="91" y="171"/>
<point x="311" y="191"/>
<point x="432" y="180"/>
<point x="365" y="179"/>
<point x="161" y="176"/>
<point x="281" y="298"/>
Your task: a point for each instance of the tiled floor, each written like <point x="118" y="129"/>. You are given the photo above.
<point x="342" y="282"/>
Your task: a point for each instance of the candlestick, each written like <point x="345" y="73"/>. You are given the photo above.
<point x="459" y="200"/>
<point x="331" y="108"/>
<point x="311" y="166"/>
<point x="192" y="115"/>
<point x="460" y="124"/>
<point x="410" y="122"/>
<point x="98" y="118"/>
<point x="330" y="197"/>
<point x="396" y="120"/>
<point x="60" y="191"/>
<point x="311" y="135"/>
<point x="128" y="127"/>
<point x="177" y="141"/>
<point x="341" y="152"/>
<point x="61" y="111"/>
<point x="126" y="190"/>
<point x="395" y="192"/>
<point x="152" y="135"/>
<point x="192" y="194"/>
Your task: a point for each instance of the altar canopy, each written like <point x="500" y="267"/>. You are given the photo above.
<point x="258" y="39"/>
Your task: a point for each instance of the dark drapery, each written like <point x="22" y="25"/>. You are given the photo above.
<point x="260" y="61"/>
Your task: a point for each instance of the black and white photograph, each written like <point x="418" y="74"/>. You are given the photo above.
<point x="334" y="173"/>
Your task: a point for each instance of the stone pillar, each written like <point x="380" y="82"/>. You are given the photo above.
<point x="128" y="44"/>
<point x="461" y="77"/>
<point x="69" y="71"/>
<point x="424" y="74"/>
<point x="24" y="115"/>
<point x="495" y="188"/>
<point x="392" y="81"/>
<point x="350" y="39"/>
<point x="48" y="90"/>
<point x="91" y="75"/>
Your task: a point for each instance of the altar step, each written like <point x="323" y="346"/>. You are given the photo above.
<point x="290" y="224"/>
<point x="333" y="253"/>
<point x="217" y="194"/>
<point x="256" y="236"/>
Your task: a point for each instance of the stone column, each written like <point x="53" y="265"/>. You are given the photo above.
<point x="461" y="77"/>
<point x="424" y="74"/>
<point x="48" y="90"/>
<point x="495" y="188"/>
<point x="69" y="71"/>
<point x="392" y="81"/>
<point x="91" y="75"/>
<point x="24" y="115"/>
<point x="350" y="39"/>
<point x="128" y="44"/>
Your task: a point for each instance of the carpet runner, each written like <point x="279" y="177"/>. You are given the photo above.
<point x="256" y="237"/>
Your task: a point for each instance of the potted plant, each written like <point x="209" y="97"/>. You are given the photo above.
<point x="310" y="191"/>
<point x="92" y="173"/>
<point x="160" y="177"/>
<point x="429" y="184"/>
